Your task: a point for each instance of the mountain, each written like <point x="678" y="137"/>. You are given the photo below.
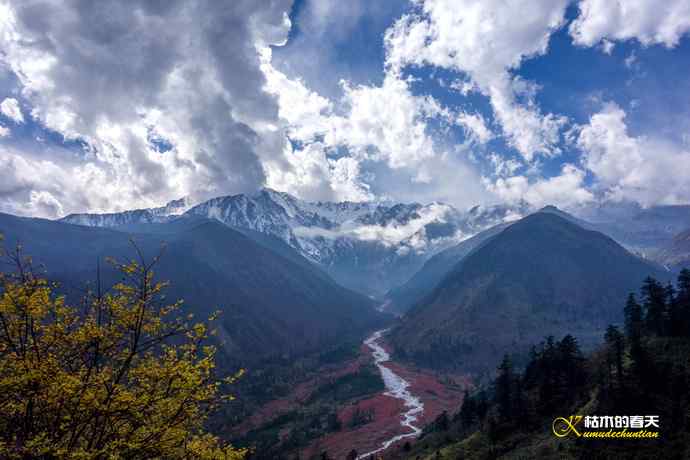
<point x="422" y="283"/>
<point x="138" y="216"/>
<point x="272" y="303"/>
<point x="366" y="246"/>
<point x="642" y="230"/>
<point x="675" y="254"/>
<point x="539" y="276"/>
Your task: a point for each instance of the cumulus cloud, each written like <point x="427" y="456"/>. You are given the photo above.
<point x="33" y="187"/>
<point x="10" y="108"/>
<point x="484" y="40"/>
<point x="388" y="117"/>
<point x="566" y="189"/>
<point x="313" y="175"/>
<point x="648" y="21"/>
<point x="187" y="72"/>
<point x="623" y="167"/>
<point x="639" y="168"/>
<point x="180" y="98"/>
<point x="383" y="127"/>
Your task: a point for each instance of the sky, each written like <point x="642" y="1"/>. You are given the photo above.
<point x="108" y="106"/>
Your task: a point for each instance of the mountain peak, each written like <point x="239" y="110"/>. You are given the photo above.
<point x="550" y="208"/>
<point x="543" y="275"/>
<point x="368" y="246"/>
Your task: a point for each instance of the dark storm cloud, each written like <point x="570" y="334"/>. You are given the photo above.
<point x="89" y="68"/>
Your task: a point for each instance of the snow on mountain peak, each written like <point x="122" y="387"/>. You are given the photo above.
<point x="368" y="246"/>
<point x="147" y="215"/>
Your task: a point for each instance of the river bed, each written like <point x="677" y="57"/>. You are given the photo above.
<point x="396" y="387"/>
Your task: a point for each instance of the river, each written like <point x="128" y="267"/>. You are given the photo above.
<point x="396" y="387"/>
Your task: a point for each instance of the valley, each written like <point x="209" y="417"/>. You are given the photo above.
<point x="335" y="369"/>
<point x="370" y="421"/>
<point x="344" y="230"/>
<point x="396" y="387"/>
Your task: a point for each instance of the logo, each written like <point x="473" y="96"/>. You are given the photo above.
<point x="607" y="426"/>
<point x="562" y="426"/>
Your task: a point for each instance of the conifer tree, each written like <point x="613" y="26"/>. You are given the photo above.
<point x="504" y="389"/>
<point x="633" y="318"/>
<point x="654" y="301"/>
<point x="674" y="313"/>
<point x="615" y="348"/>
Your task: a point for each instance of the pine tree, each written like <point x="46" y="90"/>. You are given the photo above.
<point x="504" y="389"/>
<point x="546" y="376"/>
<point x="654" y="301"/>
<point x="634" y="321"/>
<point x="633" y="318"/>
<point x="569" y="367"/>
<point x="674" y="313"/>
<point x="615" y="348"/>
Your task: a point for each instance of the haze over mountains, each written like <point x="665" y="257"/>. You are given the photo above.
<point x="676" y="253"/>
<point x="472" y="284"/>
<point x="369" y="247"/>
<point x="272" y="300"/>
<point x="378" y="248"/>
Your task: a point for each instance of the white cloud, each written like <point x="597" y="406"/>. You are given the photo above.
<point x="411" y="233"/>
<point x="10" y="108"/>
<point x="484" y="40"/>
<point x="643" y="169"/>
<point x="649" y="21"/>
<point x="630" y="60"/>
<point x="607" y="46"/>
<point x="475" y="126"/>
<point x="503" y="167"/>
<point x="566" y="189"/>
<point x="389" y="118"/>
<point x="382" y="127"/>
<point x="33" y="188"/>
<point x="187" y="71"/>
<point x="303" y="109"/>
<point x="202" y="79"/>
<point x="314" y="176"/>
<point x="464" y="87"/>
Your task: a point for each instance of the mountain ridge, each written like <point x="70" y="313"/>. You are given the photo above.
<point x="366" y="246"/>
<point x="271" y="304"/>
<point x="541" y="275"/>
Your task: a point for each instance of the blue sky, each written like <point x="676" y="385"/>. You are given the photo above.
<point x="564" y="102"/>
<point x="652" y="87"/>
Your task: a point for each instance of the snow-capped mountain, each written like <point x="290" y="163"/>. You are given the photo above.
<point x="137" y="216"/>
<point x="366" y="246"/>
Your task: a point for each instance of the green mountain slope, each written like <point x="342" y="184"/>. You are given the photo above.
<point x="541" y="275"/>
<point x="404" y="297"/>
<point x="272" y="303"/>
